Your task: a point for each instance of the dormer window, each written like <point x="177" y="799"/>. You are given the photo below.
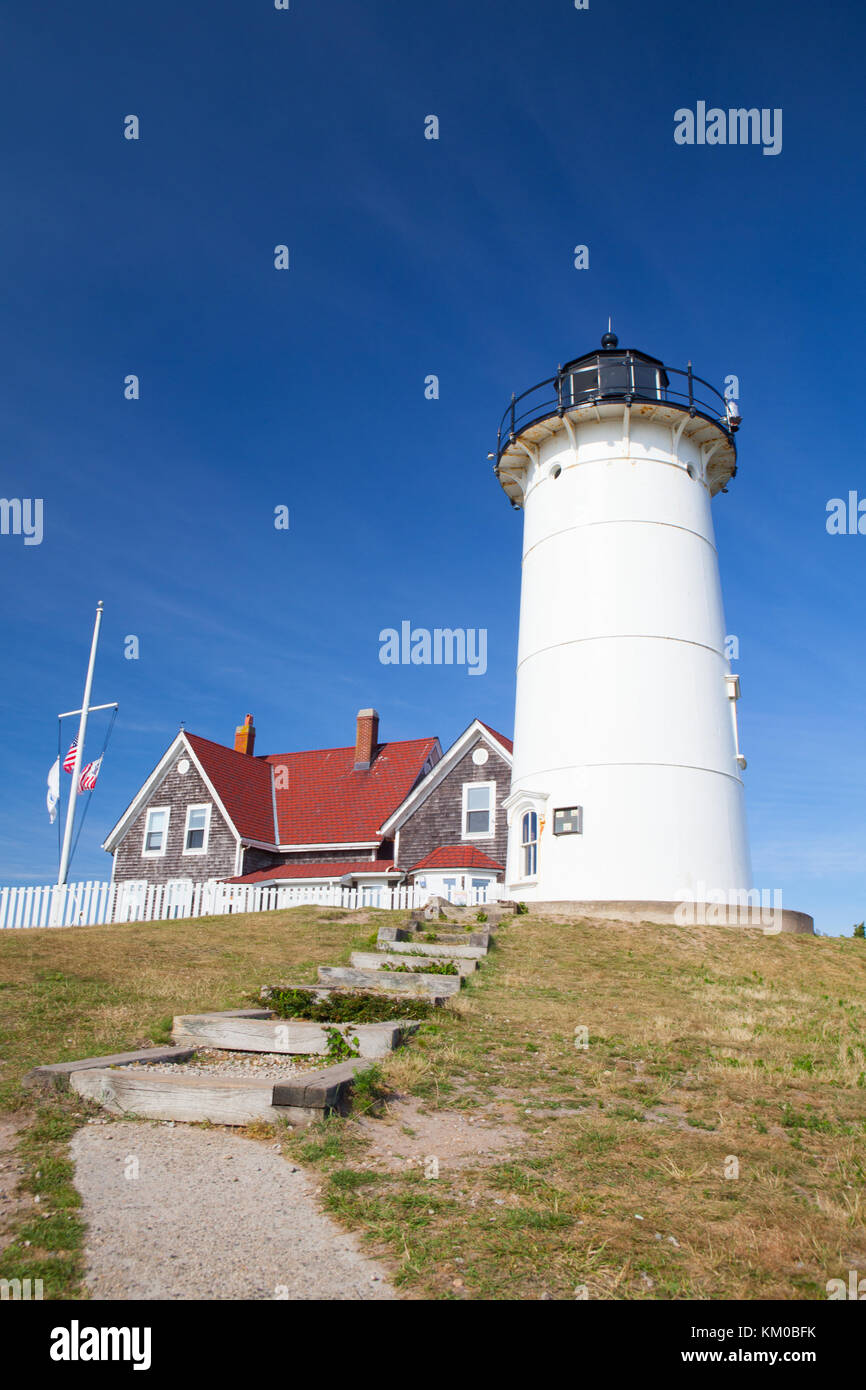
<point x="479" y="810"/>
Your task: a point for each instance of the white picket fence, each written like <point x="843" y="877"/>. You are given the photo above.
<point x="91" y="903"/>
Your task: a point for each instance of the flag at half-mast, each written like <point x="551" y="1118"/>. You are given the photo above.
<point x="69" y="760"/>
<point x="89" y="774"/>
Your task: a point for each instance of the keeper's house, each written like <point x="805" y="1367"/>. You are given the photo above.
<point x="367" y="816"/>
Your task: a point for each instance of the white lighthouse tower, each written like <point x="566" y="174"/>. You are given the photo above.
<point x="627" y="779"/>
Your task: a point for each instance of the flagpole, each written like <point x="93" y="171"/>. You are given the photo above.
<point x="79" y="753"/>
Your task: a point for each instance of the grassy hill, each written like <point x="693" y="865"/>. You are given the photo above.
<point x="708" y="1142"/>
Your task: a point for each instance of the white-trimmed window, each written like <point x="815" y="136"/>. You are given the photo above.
<point x="479" y="810"/>
<point x="529" y="844"/>
<point x="156" y="831"/>
<point x="196" y="830"/>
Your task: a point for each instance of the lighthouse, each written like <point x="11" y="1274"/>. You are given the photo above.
<point x="627" y="779"/>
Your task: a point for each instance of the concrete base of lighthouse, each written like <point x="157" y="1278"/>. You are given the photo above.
<point x="769" y="919"/>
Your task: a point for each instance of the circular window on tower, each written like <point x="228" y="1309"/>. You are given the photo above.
<point x="556" y="470"/>
<point x="692" y="471"/>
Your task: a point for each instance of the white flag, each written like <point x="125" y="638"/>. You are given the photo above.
<point x="53" y="795"/>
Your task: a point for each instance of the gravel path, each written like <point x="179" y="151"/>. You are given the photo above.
<point x="212" y="1061"/>
<point x="209" y="1216"/>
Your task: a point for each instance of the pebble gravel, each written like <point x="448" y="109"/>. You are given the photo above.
<point x="180" y="1212"/>
<point x="212" y="1061"/>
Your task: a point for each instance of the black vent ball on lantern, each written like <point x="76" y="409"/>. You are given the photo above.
<point x="609" y="340"/>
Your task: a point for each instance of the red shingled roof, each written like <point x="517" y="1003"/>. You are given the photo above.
<point x="326" y="802"/>
<point x="362" y="866"/>
<point x="506" y="742"/>
<point x="458" y="857"/>
<point x="243" y="785"/>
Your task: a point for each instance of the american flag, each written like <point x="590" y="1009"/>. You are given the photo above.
<point x="89" y="774"/>
<point x="69" y="760"/>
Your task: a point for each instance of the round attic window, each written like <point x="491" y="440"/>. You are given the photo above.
<point x="480" y="756"/>
<point x="183" y="766"/>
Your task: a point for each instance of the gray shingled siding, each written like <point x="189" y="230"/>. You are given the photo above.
<point x="177" y="791"/>
<point x="439" y="819"/>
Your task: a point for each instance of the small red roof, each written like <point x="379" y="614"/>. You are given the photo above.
<point x="458" y="857"/>
<point x="284" y="871"/>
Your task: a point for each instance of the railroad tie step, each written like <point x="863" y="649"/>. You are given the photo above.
<point x="262" y="1031"/>
<point x="56" y="1075"/>
<point x="450" y="950"/>
<point x="481" y="937"/>
<point x="387" y="982"/>
<point x="377" y="960"/>
<point x="169" y="1094"/>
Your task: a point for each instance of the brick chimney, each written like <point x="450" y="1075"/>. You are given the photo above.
<point x="245" y="736"/>
<point x="366" y="738"/>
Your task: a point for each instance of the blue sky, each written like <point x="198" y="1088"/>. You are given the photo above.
<point x="306" y="388"/>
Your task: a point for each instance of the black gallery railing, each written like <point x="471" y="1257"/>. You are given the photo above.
<point x="614" y="377"/>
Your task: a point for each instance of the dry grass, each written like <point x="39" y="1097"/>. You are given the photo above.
<point x="91" y="990"/>
<point x="705" y="1045"/>
<point x="87" y="991"/>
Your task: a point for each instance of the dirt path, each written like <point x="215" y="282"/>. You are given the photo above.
<point x="11" y="1200"/>
<point x="186" y="1213"/>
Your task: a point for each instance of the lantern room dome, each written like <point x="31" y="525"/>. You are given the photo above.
<point x="612" y="375"/>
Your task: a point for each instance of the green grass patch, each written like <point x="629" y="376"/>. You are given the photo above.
<point x="351" y="1006"/>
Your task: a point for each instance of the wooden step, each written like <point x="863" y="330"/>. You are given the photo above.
<point x="451" y="938"/>
<point x="222" y="1100"/>
<point x="379" y="982"/>
<point x="481" y="937"/>
<point x="56" y="1075"/>
<point x="374" y="960"/>
<point x="264" y="1032"/>
<point x="322" y="991"/>
<point x="326" y="1090"/>
<point x="430" y="949"/>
